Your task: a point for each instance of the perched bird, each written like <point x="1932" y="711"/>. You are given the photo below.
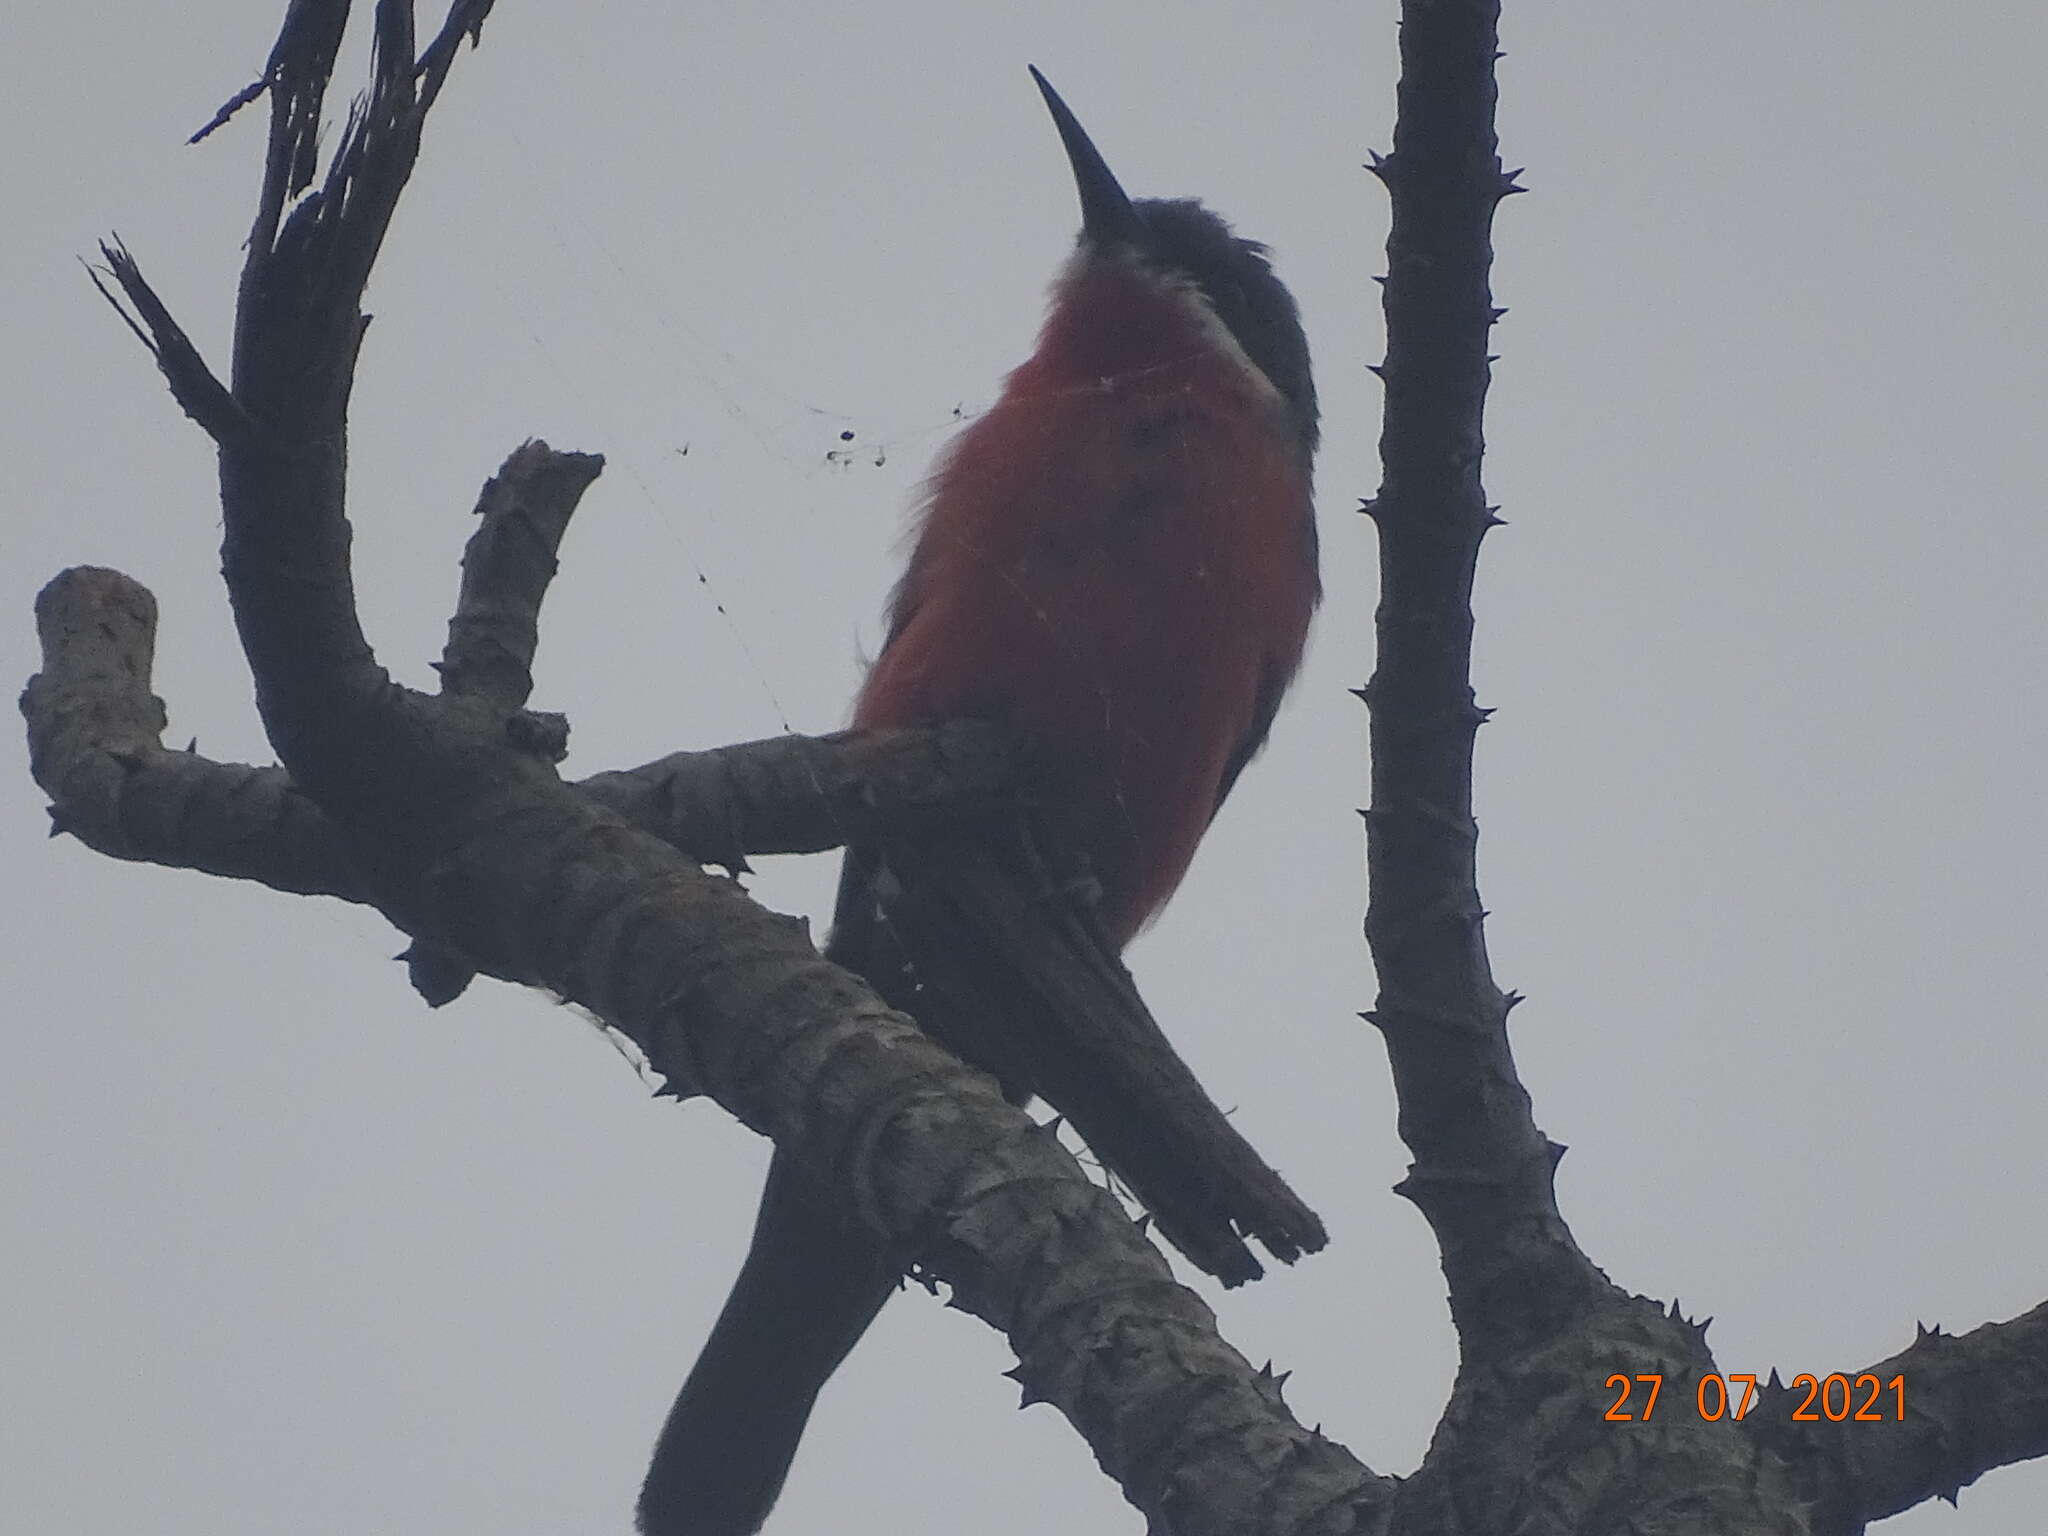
<point x="1119" y="560"/>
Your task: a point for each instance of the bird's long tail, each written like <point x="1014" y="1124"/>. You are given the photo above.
<point x="812" y="1283"/>
<point x="1009" y="957"/>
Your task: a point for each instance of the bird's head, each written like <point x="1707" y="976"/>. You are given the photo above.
<point x="1177" y="240"/>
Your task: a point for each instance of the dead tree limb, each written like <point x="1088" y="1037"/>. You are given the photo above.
<point x="1524" y="1444"/>
<point x="446" y="813"/>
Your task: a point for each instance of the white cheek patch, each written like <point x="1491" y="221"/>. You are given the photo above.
<point x="1187" y="295"/>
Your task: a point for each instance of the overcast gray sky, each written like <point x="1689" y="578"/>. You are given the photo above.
<point x="1762" y="815"/>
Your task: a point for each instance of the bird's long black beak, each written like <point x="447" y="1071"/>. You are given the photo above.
<point x="1107" y="216"/>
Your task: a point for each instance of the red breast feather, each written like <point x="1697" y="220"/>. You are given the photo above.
<point x="1116" y="559"/>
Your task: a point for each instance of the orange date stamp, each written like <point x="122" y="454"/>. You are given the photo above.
<point x="1834" y="1398"/>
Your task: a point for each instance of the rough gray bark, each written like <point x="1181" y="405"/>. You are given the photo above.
<point x="1524" y="1444"/>
<point x="446" y="813"/>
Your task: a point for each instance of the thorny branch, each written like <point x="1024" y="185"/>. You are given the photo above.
<point x="446" y="813"/>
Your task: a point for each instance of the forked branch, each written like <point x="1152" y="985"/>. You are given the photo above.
<point x="445" y="812"/>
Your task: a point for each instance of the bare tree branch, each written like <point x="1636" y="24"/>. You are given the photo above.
<point x="1523" y="1444"/>
<point x="95" y="746"/>
<point x="95" y="742"/>
<point x="805" y="794"/>
<point x="1539" y="1326"/>
<point x="448" y="815"/>
<point x="455" y="825"/>
<point x="1962" y="1405"/>
<point x="300" y="65"/>
<point x="1482" y="1172"/>
<point x="228" y="109"/>
<point x="728" y="999"/>
<point x="506" y="568"/>
<point x="204" y="398"/>
<point x="360" y="745"/>
<point x="1038" y="974"/>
